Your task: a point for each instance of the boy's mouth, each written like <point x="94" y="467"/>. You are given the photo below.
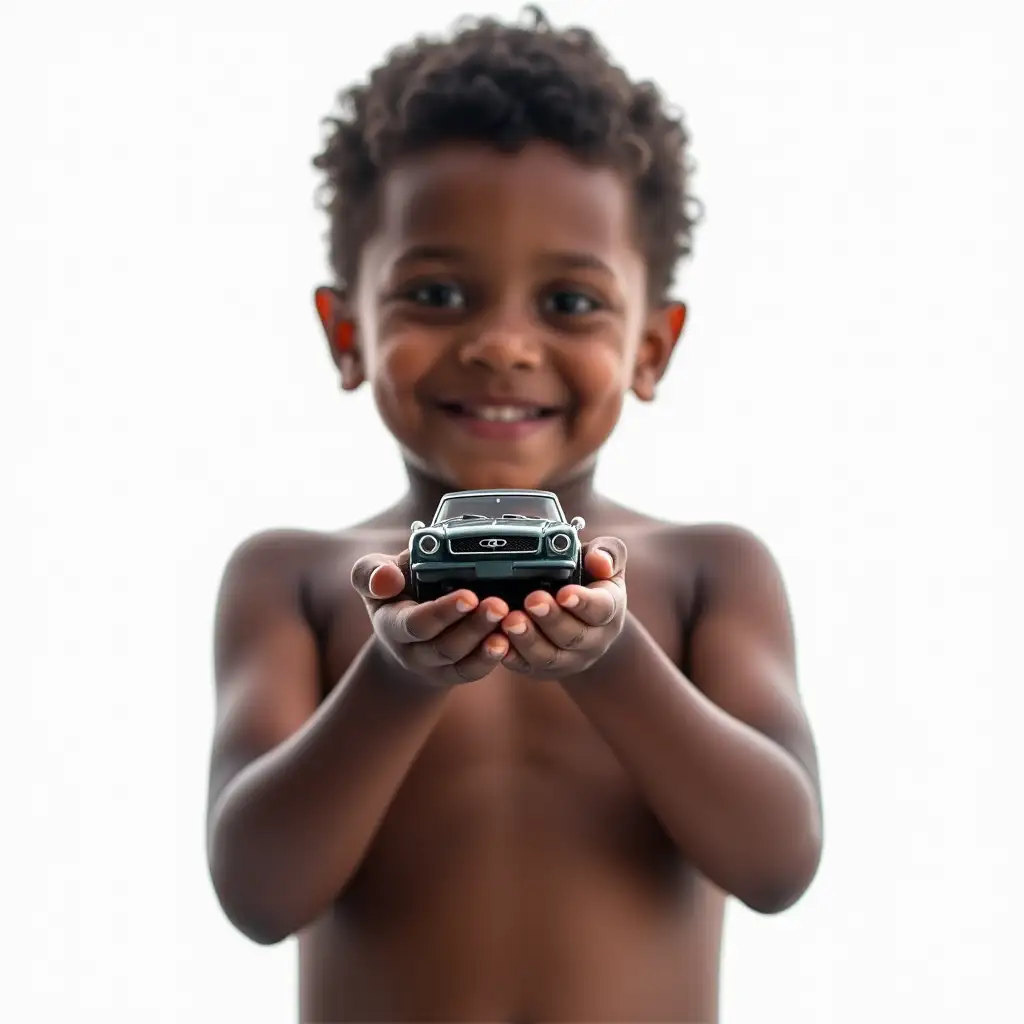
<point x="495" y="413"/>
<point x="499" y="421"/>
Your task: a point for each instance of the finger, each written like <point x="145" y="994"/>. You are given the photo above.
<point x="613" y="589"/>
<point x="378" y="577"/>
<point x="459" y="641"/>
<point x="406" y="622"/>
<point x="478" y="663"/>
<point x="539" y="653"/>
<point x="605" y="557"/>
<point x="515" y="662"/>
<point x="562" y="628"/>
<point x="595" y="605"/>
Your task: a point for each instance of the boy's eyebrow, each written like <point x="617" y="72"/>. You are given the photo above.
<point x="572" y="259"/>
<point x="422" y="253"/>
<point x="579" y="261"/>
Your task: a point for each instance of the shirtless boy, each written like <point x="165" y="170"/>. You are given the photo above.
<point x="466" y="811"/>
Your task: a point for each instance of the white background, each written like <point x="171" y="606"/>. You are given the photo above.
<point x="847" y="388"/>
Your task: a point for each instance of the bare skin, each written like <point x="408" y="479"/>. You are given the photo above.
<point x="492" y="814"/>
<point x="507" y="868"/>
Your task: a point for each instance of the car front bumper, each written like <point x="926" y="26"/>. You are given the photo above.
<point x="498" y="569"/>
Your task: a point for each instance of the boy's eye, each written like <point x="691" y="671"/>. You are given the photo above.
<point x="567" y="303"/>
<point x="438" y="295"/>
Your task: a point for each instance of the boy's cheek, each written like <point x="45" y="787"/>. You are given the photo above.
<point x="399" y="365"/>
<point x="599" y="371"/>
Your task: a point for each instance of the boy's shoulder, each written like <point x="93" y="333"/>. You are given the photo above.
<point x="712" y="572"/>
<point x="286" y="556"/>
<point x="708" y="550"/>
<point x="723" y="548"/>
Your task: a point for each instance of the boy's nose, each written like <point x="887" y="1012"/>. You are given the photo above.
<point x="501" y="350"/>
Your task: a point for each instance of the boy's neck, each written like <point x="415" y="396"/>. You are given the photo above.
<point x="575" y="493"/>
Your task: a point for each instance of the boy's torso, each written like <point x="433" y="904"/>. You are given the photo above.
<point x="518" y="875"/>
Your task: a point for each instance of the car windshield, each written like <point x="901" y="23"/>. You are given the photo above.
<point x="498" y="506"/>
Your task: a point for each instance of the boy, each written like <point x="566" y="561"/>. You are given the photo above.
<point x="466" y="811"/>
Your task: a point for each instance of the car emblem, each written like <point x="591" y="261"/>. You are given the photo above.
<point x="493" y="542"/>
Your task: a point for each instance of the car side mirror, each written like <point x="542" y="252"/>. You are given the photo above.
<point x="417" y="525"/>
<point x="578" y="523"/>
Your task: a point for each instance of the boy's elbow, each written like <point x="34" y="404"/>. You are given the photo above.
<point x="246" y="901"/>
<point x="250" y="913"/>
<point x="788" y="888"/>
<point x="263" y="932"/>
<point x="253" y="916"/>
<point x="773" y="901"/>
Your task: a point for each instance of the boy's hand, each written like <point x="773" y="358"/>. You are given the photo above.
<point x="565" y="634"/>
<point x="447" y="641"/>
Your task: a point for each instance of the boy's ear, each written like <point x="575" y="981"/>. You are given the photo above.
<point x="663" y="329"/>
<point x="339" y="326"/>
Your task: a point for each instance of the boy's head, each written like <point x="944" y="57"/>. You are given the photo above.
<point x="507" y="211"/>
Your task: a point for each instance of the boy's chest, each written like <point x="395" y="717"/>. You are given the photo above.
<point x="513" y="769"/>
<point x="511" y="722"/>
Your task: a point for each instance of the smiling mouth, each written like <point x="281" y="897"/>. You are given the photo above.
<point x="500" y="413"/>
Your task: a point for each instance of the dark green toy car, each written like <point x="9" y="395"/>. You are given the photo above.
<point x="503" y="543"/>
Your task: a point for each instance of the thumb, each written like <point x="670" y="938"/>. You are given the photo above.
<point x="378" y="577"/>
<point x="605" y="557"/>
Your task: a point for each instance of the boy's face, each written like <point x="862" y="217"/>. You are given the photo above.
<point x="501" y="314"/>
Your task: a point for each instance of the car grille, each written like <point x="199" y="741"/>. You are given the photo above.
<point x="516" y="545"/>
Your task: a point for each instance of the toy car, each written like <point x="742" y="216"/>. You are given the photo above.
<point x="503" y="543"/>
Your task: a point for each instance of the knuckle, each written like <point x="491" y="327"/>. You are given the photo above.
<point x="577" y="639"/>
<point x="411" y="628"/>
<point x="465" y="671"/>
<point x="395" y="621"/>
<point x="441" y="651"/>
<point x="517" y="663"/>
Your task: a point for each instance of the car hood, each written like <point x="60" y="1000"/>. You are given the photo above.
<point x="506" y="527"/>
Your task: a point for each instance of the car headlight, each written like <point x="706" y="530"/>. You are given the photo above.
<point x="560" y="543"/>
<point x="428" y="544"/>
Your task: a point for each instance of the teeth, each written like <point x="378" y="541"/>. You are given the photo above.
<point x="504" y="413"/>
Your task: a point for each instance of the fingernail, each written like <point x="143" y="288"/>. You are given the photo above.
<point x="462" y="605"/>
<point x="493" y="616"/>
<point x="373" y="576"/>
<point x="569" y="601"/>
<point x="495" y="648"/>
<point x="518" y="628"/>
<point x="540" y="609"/>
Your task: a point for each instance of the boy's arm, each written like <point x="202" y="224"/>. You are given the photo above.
<point x="726" y="760"/>
<point x="297" y="788"/>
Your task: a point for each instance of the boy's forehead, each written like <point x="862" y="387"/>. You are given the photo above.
<point x="540" y="195"/>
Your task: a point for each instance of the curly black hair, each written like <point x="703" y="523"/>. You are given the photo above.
<point x="505" y="86"/>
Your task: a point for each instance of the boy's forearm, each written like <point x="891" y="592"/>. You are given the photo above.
<point x="290" y="830"/>
<point x="742" y="810"/>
